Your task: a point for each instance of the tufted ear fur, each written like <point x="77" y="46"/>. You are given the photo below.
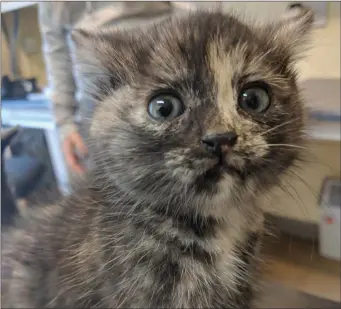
<point x="102" y="59"/>
<point x="292" y="33"/>
<point x="87" y="48"/>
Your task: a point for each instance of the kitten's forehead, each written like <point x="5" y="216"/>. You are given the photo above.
<point x="213" y="48"/>
<point x="222" y="73"/>
<point x="181" y="50"/>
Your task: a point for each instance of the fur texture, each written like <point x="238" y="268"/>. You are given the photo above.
<point x="158" y="221"/>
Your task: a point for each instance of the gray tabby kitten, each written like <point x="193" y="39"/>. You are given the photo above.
<point x="189" y="134"/>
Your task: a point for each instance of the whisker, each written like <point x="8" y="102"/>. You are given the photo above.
<point x="286" y="145"/>
<point x="306" y="211"/>
<point x="284" y="186"/>
<point x="304" y="182"/>
<point x="279" y="126"/>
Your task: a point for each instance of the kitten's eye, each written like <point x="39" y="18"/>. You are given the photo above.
<point x="254" y="99"/>
<point x="165" y="107"/>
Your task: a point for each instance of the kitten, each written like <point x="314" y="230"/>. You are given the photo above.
<point x="183" y="146"/>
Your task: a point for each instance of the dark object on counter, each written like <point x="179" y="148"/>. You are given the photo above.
<point x="17" y="89"/>
<point x="30" y="85"/>
<point x="5" y="86"/>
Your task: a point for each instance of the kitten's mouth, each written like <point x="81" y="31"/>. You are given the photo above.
<point x="230" y="169"/>
<point x="221" y="168"/>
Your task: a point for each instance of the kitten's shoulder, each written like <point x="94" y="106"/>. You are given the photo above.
<point x="53" y="221"/>
<point x="37" y="246"/>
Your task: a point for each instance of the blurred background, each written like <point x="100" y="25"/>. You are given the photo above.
<point x="304" y="221"/>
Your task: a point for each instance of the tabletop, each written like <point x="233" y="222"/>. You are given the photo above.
<point x="28" y="113"/>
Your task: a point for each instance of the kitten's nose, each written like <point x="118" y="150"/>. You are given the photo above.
<point x="220" y="142"/>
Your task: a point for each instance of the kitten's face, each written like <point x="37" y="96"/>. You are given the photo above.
<point x="198" y="107"/>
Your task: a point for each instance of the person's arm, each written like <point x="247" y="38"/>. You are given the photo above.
<point x="58" y="67"/>
<point x="62" y="85"/>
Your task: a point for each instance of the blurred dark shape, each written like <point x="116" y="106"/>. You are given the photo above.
<point x="8" y="207"/>
<point x="18" y="89"/>
<point x="19" y="177"/>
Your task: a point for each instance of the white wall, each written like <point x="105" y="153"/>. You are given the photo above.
<point x="324" y="58"/>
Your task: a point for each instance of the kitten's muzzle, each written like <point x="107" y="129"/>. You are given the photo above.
<point x="219" y="143"/>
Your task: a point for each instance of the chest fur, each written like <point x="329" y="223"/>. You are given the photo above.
<point x="169" y="266"/>
<point x="225" y="280"/>
<point x="213" y="272"/>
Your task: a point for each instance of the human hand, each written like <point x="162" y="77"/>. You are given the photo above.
<point x="74" y="151"/>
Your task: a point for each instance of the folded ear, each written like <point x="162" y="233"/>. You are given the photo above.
<point x="102" y="59"/>
<point x="86" y="46"/>
<point x="292" y="33"/>
<point x="90" y="68"/>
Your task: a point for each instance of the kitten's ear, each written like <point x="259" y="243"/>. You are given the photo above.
<point x="91" y="48"/>
<point x="292" y="33"/>
<point x="101" y="59"/>
<point x="86" y="45"/>
<point x="88" y="59"/>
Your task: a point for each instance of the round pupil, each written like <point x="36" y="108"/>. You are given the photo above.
<point x="164" y="107"/>
<point x="251" y="99"/>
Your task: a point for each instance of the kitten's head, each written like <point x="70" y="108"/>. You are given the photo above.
<point x="197" y="108"/>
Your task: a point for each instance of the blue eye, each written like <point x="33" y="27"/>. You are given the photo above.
<point x="254" y="99"/>
<point x="165" y="107"/>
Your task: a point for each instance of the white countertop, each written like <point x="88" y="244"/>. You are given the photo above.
<point x="30" y="114"/>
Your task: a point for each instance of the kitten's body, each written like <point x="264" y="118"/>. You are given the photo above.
<point x="92" y="252"/>
<point x="161" y="222"/>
